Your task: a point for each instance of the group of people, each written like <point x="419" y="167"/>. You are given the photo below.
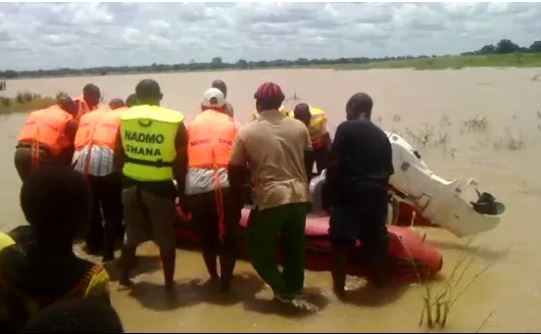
<point x="136" y="162"/>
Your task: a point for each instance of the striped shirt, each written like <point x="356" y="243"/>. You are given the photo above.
<point x="100" y="162"/>
<point x="201" y="180"/>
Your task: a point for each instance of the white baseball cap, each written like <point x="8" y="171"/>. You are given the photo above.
<point x="213" y="97"/>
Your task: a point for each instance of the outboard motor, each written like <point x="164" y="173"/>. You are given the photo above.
<point x="434" y="200"/>
<point x="440" y="201"/>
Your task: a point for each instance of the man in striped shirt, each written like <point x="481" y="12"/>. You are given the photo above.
<point x="97" y="163"/>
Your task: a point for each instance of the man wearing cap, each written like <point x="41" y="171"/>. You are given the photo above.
<point x="215" y="211"/>
<point x="273" y="147"/>
<point x="220" y="85"/>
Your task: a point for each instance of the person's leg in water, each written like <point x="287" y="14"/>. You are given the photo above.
<point x="342" y="233"/>
<point x="228" y="249"/>
<point x="110" y="192"/>
<point x="293" y="243"/>
<point x="161" y="213"/>
<point x="204" y="217"/>
<point x="339" y="264"/>
<point x="136" y="230"/>
<point x="263" y="233"/>
<point x="127" y="259"/>
<point x="374" y="237"/>
<point x="168" y="257"/>
<point x="94" y="236"/>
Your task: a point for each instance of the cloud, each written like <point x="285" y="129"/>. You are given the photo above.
<point x="51" y="35"/>
<point x="5" y="36"/>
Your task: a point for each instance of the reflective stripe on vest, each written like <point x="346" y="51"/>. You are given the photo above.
<point x="148" y="138"/>
<point x="99" y="127"/>
<point x="210" y="139"/>
<point x="47" y="127"/>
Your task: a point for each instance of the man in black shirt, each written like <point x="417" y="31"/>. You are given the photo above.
<point x="358" y="174"/>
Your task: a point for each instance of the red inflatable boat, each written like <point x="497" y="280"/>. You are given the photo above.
<point x="411" y="256"/>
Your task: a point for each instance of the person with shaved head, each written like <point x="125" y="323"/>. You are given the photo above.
<point x="89" y="101"/>
<point x="131" y="100"/>
<point x="356" y="187"/>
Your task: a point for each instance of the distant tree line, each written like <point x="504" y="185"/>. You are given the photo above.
<point x="215" y="64"/>
<point x="505" y="46"/>
<point x="502" y="47"/>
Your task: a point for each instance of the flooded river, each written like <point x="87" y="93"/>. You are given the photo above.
<point x="504" y="156"/>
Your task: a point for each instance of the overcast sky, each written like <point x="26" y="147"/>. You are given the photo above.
<point x="35" y="35"/>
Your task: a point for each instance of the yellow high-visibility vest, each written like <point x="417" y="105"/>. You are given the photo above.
<point x="148" y="138"/>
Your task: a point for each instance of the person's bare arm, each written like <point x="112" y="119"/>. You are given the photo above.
<point x="308" y="154"/>
<point x="70" y="131"/>
<point x="334" y="170"/>
<point x="120" y="155"/>
<point x="237" y="170"/>
<point x="180" y="165"/>
<point x="237" y="163"/>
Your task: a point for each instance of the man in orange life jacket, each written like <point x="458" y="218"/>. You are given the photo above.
<point x="46" y="137"/>
<point x="89" y="101"/>
<point x="96" y="142"/>
<point x="215" y="210"/>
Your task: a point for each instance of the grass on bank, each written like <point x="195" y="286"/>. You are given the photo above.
<point x="24" y="102"/>
<point x="448" y="62"/>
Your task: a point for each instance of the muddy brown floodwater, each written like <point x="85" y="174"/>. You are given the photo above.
<point x="503" y="155"/>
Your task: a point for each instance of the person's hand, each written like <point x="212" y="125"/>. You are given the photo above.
<point x="181" y="209"/>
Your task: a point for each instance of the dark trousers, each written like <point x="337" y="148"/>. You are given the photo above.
<point x="363" y="219"/>
<point x="24" y="164"/>
<point x="106" y="221"/>
<point x="206" y="219"/>
<point x="274" y="229"/>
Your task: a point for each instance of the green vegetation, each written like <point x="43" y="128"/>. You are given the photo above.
<point x="24" y="102"/>
<point x="504" y="54"/>
<point x="450" y="62"/>
<point x="438" y="302"/>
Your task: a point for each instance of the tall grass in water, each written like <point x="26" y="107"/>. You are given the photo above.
<point x="437" y="305"/>
<point x="510" y="142"/>
<point x="23" y="102"/>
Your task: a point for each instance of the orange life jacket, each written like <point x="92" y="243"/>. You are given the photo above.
<point x="210" y="139"/>
<point x="46" y="127"/>
<point x="99" y="127"/>
<point x="83" y="108"/>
